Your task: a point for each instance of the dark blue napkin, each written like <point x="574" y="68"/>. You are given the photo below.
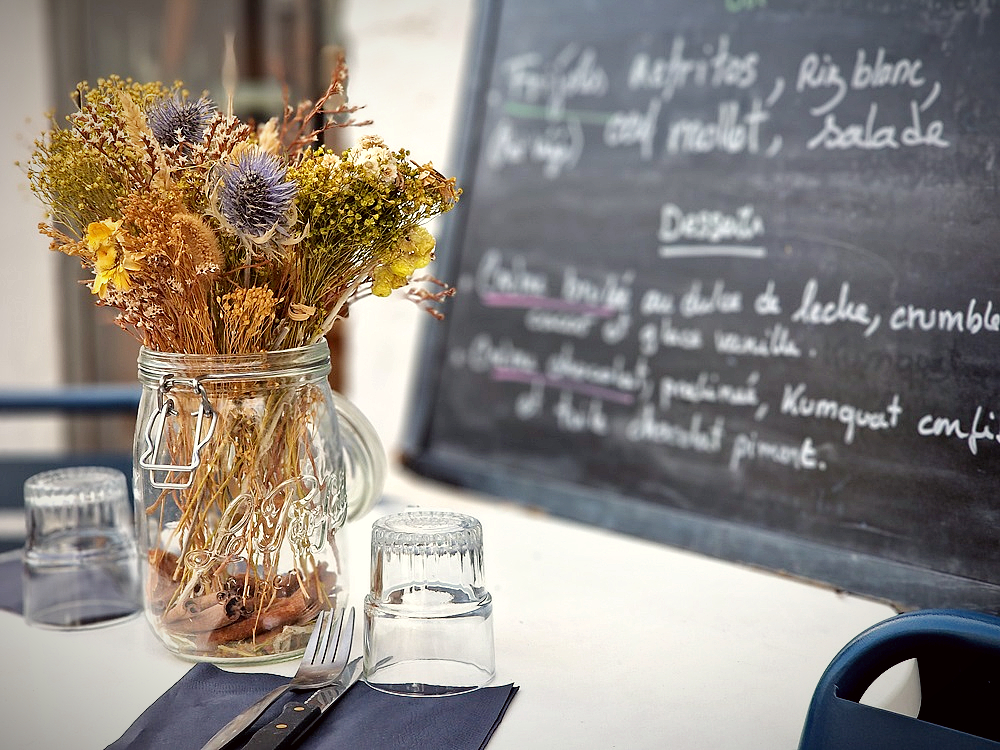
<point x="10" y="582"/>
<point x="206" y="698"/>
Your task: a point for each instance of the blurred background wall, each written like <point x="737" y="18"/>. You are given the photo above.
<point x="29" y="334"/>
<point x="406" y="59"/>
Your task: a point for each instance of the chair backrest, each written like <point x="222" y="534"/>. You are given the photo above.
<point x="91" y="400"/>
<point x="97" y="398"/>
<point x="958" y="660"/>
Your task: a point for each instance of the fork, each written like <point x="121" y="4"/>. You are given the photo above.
<point x="325" y="657"/>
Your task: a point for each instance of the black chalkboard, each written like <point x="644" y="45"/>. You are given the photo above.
<point x="727" y="278"/>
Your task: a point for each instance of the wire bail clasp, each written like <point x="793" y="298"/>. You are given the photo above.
<point x="156" y="426"/>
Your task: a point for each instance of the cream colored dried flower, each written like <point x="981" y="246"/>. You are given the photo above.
<point x="268" y="137"/>
<point x="375" y="158"/>
<point x="300" y="313"/>
<point x="330" y="160"/>
<point x="230" y="236"/>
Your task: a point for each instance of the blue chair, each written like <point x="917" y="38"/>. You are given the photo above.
<point x="95" y="399"/>
<point x="77" y="399"/>
<point x="958" y="660"/>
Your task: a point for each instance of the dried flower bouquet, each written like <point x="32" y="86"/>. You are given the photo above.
<point x="213" y="236"/>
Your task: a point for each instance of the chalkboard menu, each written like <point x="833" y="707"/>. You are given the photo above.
<point x="728" y="279"/>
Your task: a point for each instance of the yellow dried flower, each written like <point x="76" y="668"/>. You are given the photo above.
<point x="112" y="263"/>
<point x="102" y="234"/>
<point x="415" y="250"/>
<point x="211" y="235"/>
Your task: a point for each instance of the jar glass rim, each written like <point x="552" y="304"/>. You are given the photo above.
<point x="309" y="359"/>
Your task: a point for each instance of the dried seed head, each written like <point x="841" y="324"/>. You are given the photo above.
<point x="175" y="120"/>
<point x="199" y="242"/>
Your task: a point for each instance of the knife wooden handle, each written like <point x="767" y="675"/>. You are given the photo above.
<point x="287" y="729"/>
<point x="239" y="724"/>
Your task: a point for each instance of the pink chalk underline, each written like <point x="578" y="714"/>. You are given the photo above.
<point x="497" y="299"/>
<point x="506" y="374"/>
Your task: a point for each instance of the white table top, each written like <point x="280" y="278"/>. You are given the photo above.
<point x="614" y="642"/>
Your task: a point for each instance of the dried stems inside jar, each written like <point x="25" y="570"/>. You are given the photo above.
<point x="232" y="565"/>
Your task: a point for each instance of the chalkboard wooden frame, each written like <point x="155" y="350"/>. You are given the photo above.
<point x="904" y="584"/>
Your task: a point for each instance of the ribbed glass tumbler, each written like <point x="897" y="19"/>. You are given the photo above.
<point x="428" y="616"/>
<point x="80" y="567"/>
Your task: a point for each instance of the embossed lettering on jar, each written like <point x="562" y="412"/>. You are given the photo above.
<point x="241" y="486"/>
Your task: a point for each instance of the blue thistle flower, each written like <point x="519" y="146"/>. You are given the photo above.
<point x="254" y="196"/>
<point x="175" y="120"/>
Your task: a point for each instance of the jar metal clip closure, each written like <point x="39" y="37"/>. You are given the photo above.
<point x="157" y="423"/>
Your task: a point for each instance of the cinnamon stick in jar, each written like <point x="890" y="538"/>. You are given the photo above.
<point x="283" y="611"/>
<point x="180" y="620"/>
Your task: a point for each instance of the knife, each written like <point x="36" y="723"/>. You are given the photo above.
<point x="297" y="718"/>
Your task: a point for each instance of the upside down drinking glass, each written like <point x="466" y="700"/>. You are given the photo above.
<point x="428" y="616"/>
<point x="80" y="559"/>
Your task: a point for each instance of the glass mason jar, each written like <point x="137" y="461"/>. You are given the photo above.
<point x="245" y="468"/>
